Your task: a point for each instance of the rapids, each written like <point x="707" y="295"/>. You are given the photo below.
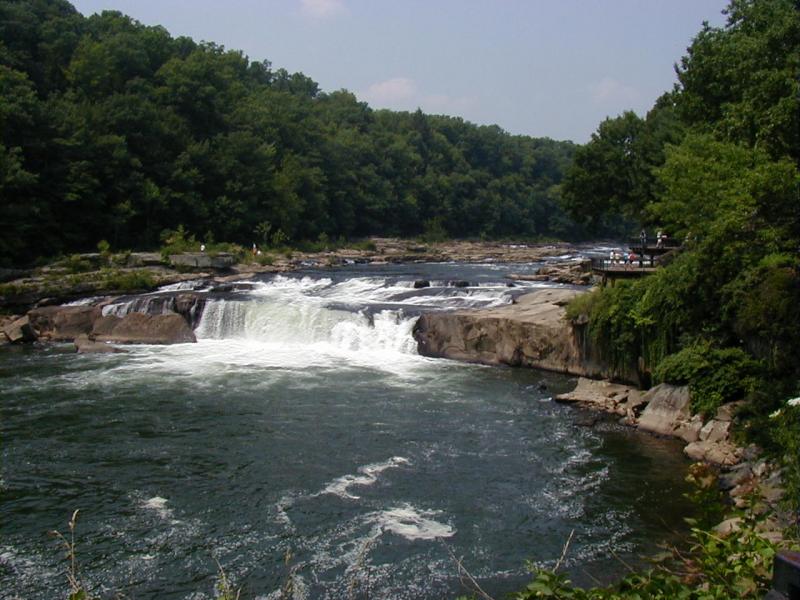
<point x="304" y="424"/>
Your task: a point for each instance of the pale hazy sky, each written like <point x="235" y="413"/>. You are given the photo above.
<point x="551" y="68"/>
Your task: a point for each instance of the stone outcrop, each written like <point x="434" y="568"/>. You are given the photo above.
<point x="19" y="331"/>
<point x="64" y="323"/>
<point x="623" y="400"/>
<point x="574" y="273"/>
<point x="83" y="345"/>
<point x="720" y="452"/>
<point x="532" y="332"/>
<point x="201" y="260"/>
<point x="139" y="328"/>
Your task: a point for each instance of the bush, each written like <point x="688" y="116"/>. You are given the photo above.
<point x="714" y="375"/>
<point x="77" y="264"/>
<point x="128" y="281"/>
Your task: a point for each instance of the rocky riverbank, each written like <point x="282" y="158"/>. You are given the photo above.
<point x="533" y="332"/>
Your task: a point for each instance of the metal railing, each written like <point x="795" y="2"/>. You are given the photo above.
<point x="622" y="264"/>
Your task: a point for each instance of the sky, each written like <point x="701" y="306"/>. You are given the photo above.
<point x="546" y="68"/>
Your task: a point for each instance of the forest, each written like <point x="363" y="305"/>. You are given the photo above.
<point x="113" y="130"/>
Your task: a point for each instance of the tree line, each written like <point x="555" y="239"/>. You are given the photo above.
<point x="110" y="129"/>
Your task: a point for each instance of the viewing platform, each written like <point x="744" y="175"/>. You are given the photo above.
<point x="647" y="252"/>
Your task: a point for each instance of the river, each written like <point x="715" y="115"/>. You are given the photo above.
<point x="304" y="439"/>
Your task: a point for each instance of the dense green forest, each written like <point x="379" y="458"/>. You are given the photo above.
<point x="110" y="129"/>
<point x="714" y="164"/>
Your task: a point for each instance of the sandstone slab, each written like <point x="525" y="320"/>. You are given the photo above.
<point x="64" y="323"/>
<point x="139" y="328"/>
<point x="720" y="453"/>
<point x="532" y="332"/>
<point x="19" y="331"/>
<point x="83" y="345"/>
<point x="668" y="409"/>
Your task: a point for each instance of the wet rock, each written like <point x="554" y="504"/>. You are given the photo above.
<point x="139" y="328"/>
<point x="83" y="345"/>
<point x="20" y="331"/>
<point x="421" y="283"/>
<point x="603" y="395"/>
<point x="460" y="283"/>
<point x="64" y="323"/>
<point x="668" y="407"/>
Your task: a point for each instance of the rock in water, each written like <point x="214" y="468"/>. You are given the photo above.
<point x="20" y="331"/>
<point x="84" y="345"/>
<point x="138" y="328"/>
<point x="64" y="323"/>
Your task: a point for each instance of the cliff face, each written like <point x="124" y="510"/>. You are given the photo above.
<point x="532" y="332"/>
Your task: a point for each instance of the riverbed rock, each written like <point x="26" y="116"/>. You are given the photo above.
<point x="64" y="323"/>
<point x="139" y="328"/>
<point x="719" y="453"/>
<point x="604" y="395"/>
<point x="201" y="260"/>
<point x="20" y="331"/>
<point x="532" y="332"/>
<point x="83" y="345"/>
<point x="668" y="409"/>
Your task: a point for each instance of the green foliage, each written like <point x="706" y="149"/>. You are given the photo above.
<point x="76" y="264"/>
<point x="177" y="241"/>
<point x="128" y="281"/>
<point x="110" y="129"/>
<point x="714" y="375"/>
<point x="434" y="231"/>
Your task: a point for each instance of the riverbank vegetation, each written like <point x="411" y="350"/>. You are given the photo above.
<point x="714" y="164"/>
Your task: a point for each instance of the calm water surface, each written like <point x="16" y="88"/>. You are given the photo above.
<point x="304" y="424"/>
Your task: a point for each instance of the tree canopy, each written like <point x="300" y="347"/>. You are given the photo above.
<point x="110" y="129"/>
<point x="714" y="163"/>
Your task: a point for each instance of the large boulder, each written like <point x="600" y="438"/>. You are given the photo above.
<point x="668" y="410"/>
<point x="532" y="332"/>
<point x="720" y="453"/>
<point x="19" y="331"/>
<point x="64" y="323"/>
<point x="139" y="328"/>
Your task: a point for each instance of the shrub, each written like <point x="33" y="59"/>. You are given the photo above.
<point x="714" y="375"/>
<point x="129" y="281"/>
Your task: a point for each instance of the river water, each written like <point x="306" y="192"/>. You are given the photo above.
<point x="304" y="440"/>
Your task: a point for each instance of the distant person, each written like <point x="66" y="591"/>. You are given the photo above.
<point x="255" y="249"/>
<point x="643" y="239"/>
<point x="659" y="240"/>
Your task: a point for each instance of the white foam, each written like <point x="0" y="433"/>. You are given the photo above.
<point x="159" y="505"/>
<point x="368" y="476"/>
<point x="412" y="524"/>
